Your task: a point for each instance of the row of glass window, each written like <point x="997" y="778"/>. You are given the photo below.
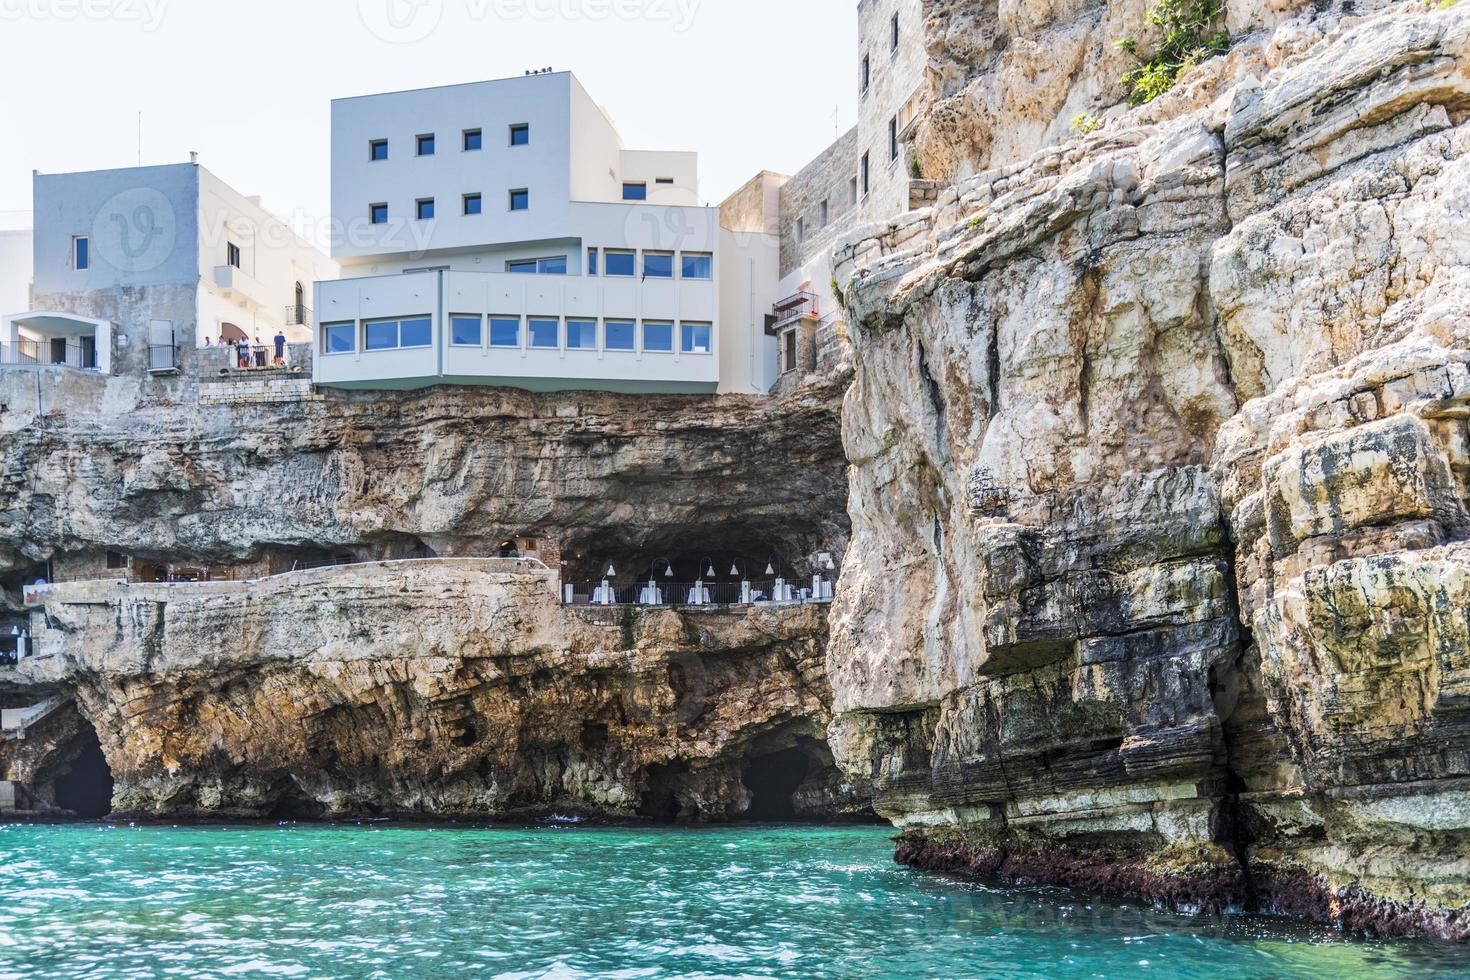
<point x="656" y="265"/>
<point x="470" y="139"/>
<point x="541" y="333"/>
<point x="425" y="208"/>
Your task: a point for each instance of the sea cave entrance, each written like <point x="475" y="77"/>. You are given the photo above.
<point x="84" y="783"/>
<point x="773" y="780"/>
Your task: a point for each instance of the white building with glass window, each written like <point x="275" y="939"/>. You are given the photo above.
<point x="500" y="233"/>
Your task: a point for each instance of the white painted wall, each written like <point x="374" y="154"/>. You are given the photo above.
<point x="15" y="271"/>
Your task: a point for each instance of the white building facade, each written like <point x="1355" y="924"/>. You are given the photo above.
<point x="500" y="233"/>
<point x="134" y="267"/>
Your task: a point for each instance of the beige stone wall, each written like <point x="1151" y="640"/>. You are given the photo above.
<point x="896" y="78"/>
<point x="828" y="179"/>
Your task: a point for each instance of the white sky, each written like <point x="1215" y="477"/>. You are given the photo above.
<point x="748" y="84"/>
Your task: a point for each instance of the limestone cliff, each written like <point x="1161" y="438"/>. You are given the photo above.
<point x="1158" y="443"/>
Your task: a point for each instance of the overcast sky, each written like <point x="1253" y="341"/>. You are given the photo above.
<point x="748" y="84"/>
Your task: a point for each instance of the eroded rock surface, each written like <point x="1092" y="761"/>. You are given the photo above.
<point x="1159" y="479"/>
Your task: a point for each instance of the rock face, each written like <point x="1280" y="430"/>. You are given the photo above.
<point x="435" y="689"/>
<point x="1158" y="488"/>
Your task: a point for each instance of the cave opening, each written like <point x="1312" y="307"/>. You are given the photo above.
<point x="292" y="803"/>
<point x="773" y="780"/>
<point x="660" y="799"/>
<point x="85" y="787"/>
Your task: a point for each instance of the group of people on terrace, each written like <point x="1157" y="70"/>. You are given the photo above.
<point x="245" y="355"/>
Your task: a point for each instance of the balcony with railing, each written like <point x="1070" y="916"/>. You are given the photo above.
<point x="298" y="315"/>
<point x="56" y="352"/>
<point x="792" y="308"/>
<point x="163" y="358"/>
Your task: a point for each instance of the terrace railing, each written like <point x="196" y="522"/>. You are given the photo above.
<point x="42" y="353"/>
<point x="662" y="592"/>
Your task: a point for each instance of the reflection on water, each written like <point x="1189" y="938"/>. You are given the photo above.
<point x="391" y="901"/>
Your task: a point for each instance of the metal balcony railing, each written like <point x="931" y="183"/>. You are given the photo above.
<point x="792" y="307"/>
<point x="298" y="315"/>
<point x="163" y="357"/>
<point x="662" y="592"/>
<point x="82" y="357"/>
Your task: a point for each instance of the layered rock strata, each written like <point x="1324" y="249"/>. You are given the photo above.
<point x="1159" y="493"/>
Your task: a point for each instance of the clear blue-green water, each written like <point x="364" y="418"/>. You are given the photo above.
<point x="391" y="901"/>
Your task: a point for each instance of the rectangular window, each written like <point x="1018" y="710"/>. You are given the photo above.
<point x="81" y="252"/>
<point x="339" y="338"/>
<point x="800" y="230"/>
<point x="621" y="263"/>
<point x="826" y="210"/>
<point x="619" y="335"/>
<point x="520" y="135"/>
<point x="555" y="266"/>
<point x="592" y="262"/>
<point x="866" y="75"/>
<point x="543" y="333"/>
<point x="658" y="265"/>
<point x="472" y="204"/>
<point x="635" y="191"/>
<point x="426" y="145"/>
<point x="505" y="331"/>
<point x="658" y="336"/>
<point x="520" y="200"/>
<point x="464" y="331"/>
<point x="378" y="214"/>
<point x="669" y="181"/>
<point x="232" y="254"/>
<point x="581" y="334"/>
<point x="378" y="150"/>
<point x="893" y="41"/>
<point x="867" y="173"/>
<point x="697" y="265"/>
<point x="425" y="208"/>
<point x="852" y="191"/>
<point x="472" y="139"/>
<point x="391" y="334"/>
<point x="893" y="138"/>
<point x="694" y="338"/>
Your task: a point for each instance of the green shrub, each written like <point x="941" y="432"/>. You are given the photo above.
<point x="1086" y="122"/>
<point x="1191" y="34"/>
<point x="914" y="170"/>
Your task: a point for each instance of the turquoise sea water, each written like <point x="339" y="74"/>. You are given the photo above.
<point x="393" y="901"/>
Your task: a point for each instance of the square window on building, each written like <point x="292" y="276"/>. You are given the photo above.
<point x="592" y="262"/>
<point x="426" y="145"/>
<point x="464" y="330"/>
<point x="505" y="331"/>
<point x="472" y="204"/>
<point x="635" y="191"/>
<point x="658" y="336"/>
<point x="378" y="214"/>
<point x="377" y="149"/>
<point x="520" y="200"/>
<point x="543" y="333"/>
<point x="695" y="338"/>
<point x="581" y="334"/>
<point x="520" y="135"/>
<point x="81" y="253"/>
<point x="232" y="254"/>
<point x="658" y="265"/>
<point x="339" y="338"/>
<point x="472" y="139"/>
<point x="619" y="335"/>
<point x="621" y="262"/>
<point x="425" y="208"/>
<point x="697" y="265"/>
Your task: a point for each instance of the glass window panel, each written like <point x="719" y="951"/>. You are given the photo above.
<point x="520" y="200"/>
<point x="658" y="336"/>
<point x="418" y="332"/>
<point x="84" y="257"/>
<point x="581" y="335"/>
<point x="505" y="331"/>
<point x="543" y="332"/>
<point x="472" y="204"/>
<point x="698" y="266"/>
<point x="378" y="150"/>
<point x="622" y="263"/>
<point x="426" y="209"/>
<point x="382" y="334"/>
<point x="379" y="214"/>
<point x="552" y="267"/>
<point x="339" y="338"/>
<point x="592" y="262"/>
<point x="472" y="139"/>
<point x="696" y="338"/>
<point x="520" y="135"/>
<point x="426" y="146"/>
<point x="521" y="265"/>
<point x="620" y="335"/>
<point x="464" y="331"/>
<point x="635" y="192"/>
<point x="658" y="265"/>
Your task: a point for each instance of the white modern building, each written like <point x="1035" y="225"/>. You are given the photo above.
<point x="138" y="265"/>
<point x="15" y="269"/>
<point x="500" y="233"/>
